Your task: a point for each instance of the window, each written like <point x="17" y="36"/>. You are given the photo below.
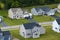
<point x="55" y="28"/>
<point x="23" y="33"/>
<point x="28" y="34"/>
<point x="36" y="34"/>
<point x="34" y="31"/>
<point x="59" y="29"/>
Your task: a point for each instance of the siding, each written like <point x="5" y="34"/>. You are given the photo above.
<point x="55" y="25"/>
<point x="33" y="11"/>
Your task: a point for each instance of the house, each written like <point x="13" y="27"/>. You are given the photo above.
<point x="42" y="11"/>
<point x="58" y="8"/>
<point x="56" y="25"/>
<point x="33" y="30"/>
<point x="17" y="13"/>
<point x="5" y="35"/>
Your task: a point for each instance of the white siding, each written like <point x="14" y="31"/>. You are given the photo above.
<point x="22" y="30"/>
<point x="35" y="31"/>
<point x="42" y="30"/>
<point x="54" y="26"/>
<point x="10" y="13"/>
<point x="51" y="12"/>
<point x="33" y="11"/>
<point x="28" y="33"/>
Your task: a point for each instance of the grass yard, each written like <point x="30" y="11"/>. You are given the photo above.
<point x="49" y="35"/>
<point x="9" y="21"/>
<point x="43" y="18"/>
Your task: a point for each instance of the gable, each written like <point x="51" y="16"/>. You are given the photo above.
<point x="46" y="9"/>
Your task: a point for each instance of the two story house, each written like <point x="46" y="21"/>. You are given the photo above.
<point x="33" y="30"/>
<point x="42" y="11"/>
<point x="17" y="13"/>
<point x="56" y="25"/>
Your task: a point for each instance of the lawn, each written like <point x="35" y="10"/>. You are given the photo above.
<point x="49" y="35"/>
<point x="9" y="21"/>
<point x="43" y="18"/>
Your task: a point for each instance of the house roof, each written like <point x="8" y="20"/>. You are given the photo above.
<point x="58" y="21"/>
<point x="14" y="10"/>
<point x="46" y="9"/>
<point x="5" y="33"/>
<point x="31" y="25"/>
<point x="0" y="31"/>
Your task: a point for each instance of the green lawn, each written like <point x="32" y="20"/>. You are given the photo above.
<point x="43" y="18"/>
<point x="49" y="35"/>
<point x="9" y="21"/>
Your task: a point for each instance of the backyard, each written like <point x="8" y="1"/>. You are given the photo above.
<point x="49" y="35"/>
<point x="9" y="21"/>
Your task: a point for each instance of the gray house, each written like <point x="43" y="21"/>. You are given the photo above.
<point x="5" y="35"/>
<point x="33" y="30"/>
<point x="56" y="25"/>
<point x="42" y="11"/>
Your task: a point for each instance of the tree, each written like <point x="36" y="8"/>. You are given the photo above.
<point x="15" y="4"/>
<point x="2" y="6"/>
<point x="41" y="1"/>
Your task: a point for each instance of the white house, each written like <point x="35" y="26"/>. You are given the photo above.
<point x="17" y="13"/>
<point x="42" y="11"/>
<point x="33" y="30"/>
<point x="56" y="25"/>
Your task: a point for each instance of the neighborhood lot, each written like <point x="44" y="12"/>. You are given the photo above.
<point x="49" y="35"/>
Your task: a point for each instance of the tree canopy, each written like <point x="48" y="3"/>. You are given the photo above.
<point x="23" y="3"/>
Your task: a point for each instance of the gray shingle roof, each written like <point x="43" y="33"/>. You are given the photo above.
<point x="0" y="31"/>
<point x="5" y="33"/>
<point x="58" y="21"/>
<point x="31" y="25"/>
<point x="46" y="9"/>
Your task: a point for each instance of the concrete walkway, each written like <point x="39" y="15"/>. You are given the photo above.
<point x="3" y="24"/>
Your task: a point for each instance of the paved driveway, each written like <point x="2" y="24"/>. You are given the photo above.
<point x="3" y="24"/>
<point x="54" y="16"/>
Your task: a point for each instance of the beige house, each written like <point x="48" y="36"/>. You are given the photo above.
<point x="17" y="13"/>
<point x="58" y="8"/>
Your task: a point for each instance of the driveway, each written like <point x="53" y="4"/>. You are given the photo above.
<point x="54" y="16"/>
<point x="3" y="24"/>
